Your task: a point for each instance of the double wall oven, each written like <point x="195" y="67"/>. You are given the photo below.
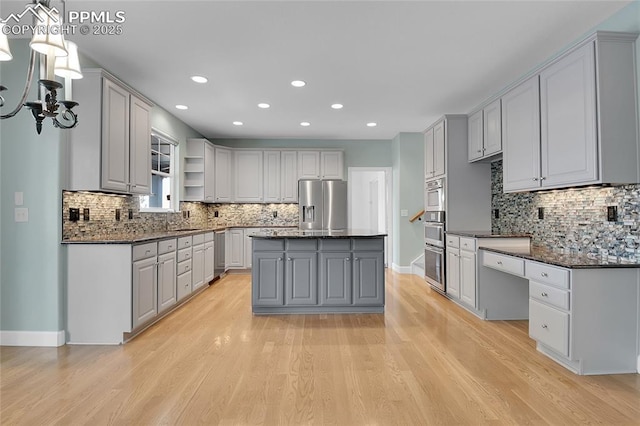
<point x="434" y="229"/>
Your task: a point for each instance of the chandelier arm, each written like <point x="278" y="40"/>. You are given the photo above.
<point x="69" y="116"/>
<point x="27" y="87"/>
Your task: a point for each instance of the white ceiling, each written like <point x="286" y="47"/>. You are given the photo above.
<point x="400" y="64"/>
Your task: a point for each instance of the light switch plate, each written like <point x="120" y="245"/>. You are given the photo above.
<point x="21" y="214"/>
<point x="18" y="198"/>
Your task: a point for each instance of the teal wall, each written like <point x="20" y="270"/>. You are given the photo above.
<point x="408" y="191"/>
<point x="32" y="272"/>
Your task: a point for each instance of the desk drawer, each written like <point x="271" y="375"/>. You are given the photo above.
<point x="452" y="241"/>
<point x="468" y="244"/>
<point x="547" y="274"/>
<point x="550" y="295"/>
<point x="508" y="264"/>
<point x="549" y="326"/>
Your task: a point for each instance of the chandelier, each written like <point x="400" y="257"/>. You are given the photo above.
<point x="56" y="56"/>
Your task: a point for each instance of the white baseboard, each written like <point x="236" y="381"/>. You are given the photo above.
<point x="401" y="269"/>
<point x="32" y="338"/>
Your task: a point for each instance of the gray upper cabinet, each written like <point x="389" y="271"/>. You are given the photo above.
<point x="475" y="123"/>
<point x="584" y="131"/>
<point x="485" y="132"/>
<point x="248" y="176"/>
<point x="222" y="181"/>
<point x="111" y="149"/>
<point x="435" y="148"/>
<point x="521" y="136"/>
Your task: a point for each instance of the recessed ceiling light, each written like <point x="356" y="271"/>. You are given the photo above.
<point x="263" y="105"/>
<point x="305" y="124"/>
<point x="199" y="79"/>
<point x="182" y="107"/>
<point x="372" y="124"/>
<point x="337" y="106"/>
<point x="238" y="123"/>
<point x="298" y="83"/>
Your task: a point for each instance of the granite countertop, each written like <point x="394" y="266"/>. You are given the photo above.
<point x="151" y="236"/>
<point x="300" y="233"/>
<point x="560" y="258"/>
<point x="487" y="234"/>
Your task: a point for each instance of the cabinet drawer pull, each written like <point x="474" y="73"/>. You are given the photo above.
<point x="346" y="259"/>
<point x="543" y="178"/>
<point x="535" y="179"/>
<point x="499" y="262"/>
<point x="543" y="294"/>
<point x="479" y="151"/>
<point x="356" y="258"/>
<point x="288" y="259"/>
<point x="545" y="326"/>
<point x="544" y="274"/>
<point x="280" y="259"/>
<point x="169" y="247"/>
<point x="186" y="268"/>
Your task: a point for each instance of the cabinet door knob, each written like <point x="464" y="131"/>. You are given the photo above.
<point x="543" y="178"/>
<point x="499" y="262"/>
<point x="545" y="326"/>
<point x="544" y="294"/>
<point x="479" y="151"/>
<point x="544" y="274"/>
<point x="535" y="179"/>
<point x="280" y="259"/>
<point x="289" y="259"/>
<point x="356" y="258"/>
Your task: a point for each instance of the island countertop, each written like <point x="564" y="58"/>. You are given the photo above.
<point x="316" y="233"/>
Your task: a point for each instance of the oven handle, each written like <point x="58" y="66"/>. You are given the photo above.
<point x="434" y="249"/>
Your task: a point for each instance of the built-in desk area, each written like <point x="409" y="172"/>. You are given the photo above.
<point x="582" y="310"/>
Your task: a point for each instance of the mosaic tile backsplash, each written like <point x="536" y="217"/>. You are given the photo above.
<point x="574" y="220"/>
<point x="102" y="216"/>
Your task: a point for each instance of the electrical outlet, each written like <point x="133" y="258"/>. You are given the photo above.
<point x="130" y="214"/>
<point x="496" y="213"/>
<point x="540" y="213"/>
<point x="612" y="213"/>
<point x="85" y="214"/>
<point x="117" y="214"/>
<point x="74" y="214"/>
<point x="275" y="213"/>
<point x="188" y="214"/>
<point x="215" y="213"/>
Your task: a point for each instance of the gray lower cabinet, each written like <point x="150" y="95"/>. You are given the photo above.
<point x="308" y="275"/>
<point x="166" y="281"/>
<point x="267" y="279"/>
<point x="335" y="278"/>
<point x="301" y="279"/>
<point x="145" y="284"/>
<point x="368" y="278"/>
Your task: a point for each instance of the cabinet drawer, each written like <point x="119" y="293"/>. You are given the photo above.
<point x="453" y="241"/>
<point x="330" y="244"/>
<point x="302" y="245"/>
<point x="551" y="295"/>
<point x="167" y="246"/>
<point x="184" y="242"/>
<point x="183" y="285"/>
<point x="208" y="237"/>
<point x="468" y="244"/>
<point x="547" y="274"/>
<point x="184" y="254"/>
<point x="198" y="239"/>
<point x="549" y="326"/>
<point x="373" y="244"/>
<point x="144" y="251"/>
<point x="183" y="267"/>
<point x="260" y="244"/>
<point x="511" y="265"/>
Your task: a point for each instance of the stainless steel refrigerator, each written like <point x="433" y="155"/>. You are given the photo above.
<point x="322" y="204"/>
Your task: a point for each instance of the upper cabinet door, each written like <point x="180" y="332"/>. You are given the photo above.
<point x="475" y="132"/>
<point x="568" y="114"/>
<point x="140" y="147"/>
<point x="332" y="164"/>
<point x="248" y="176"/>
<point x="439" y="149"/>
<point x="289" y="176"/>
<point x="115" y="137"/>
<point x="428" y="154"/>
<point x="271" y="177"/>
<point x="223" y="175"/>
<point x="492" y="129"/>
<point x="209" y="172"/>
<point x="521" y="136"/>
<point x="309" y="164"/>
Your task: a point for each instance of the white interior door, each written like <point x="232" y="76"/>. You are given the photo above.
<point x="370" y="202"/>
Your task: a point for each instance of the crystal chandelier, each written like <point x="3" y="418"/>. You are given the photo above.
<point x="56" y="56"/>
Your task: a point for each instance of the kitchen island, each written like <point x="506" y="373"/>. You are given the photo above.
<point x="318" y="271"/>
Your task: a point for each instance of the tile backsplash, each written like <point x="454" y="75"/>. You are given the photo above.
<point x="102" y="216"/>
<point x="574" y="220"/>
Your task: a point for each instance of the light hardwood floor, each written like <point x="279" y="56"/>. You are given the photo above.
<point x="425" y="361"/>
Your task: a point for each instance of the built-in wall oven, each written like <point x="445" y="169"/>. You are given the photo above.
<point x="434" y="195"/>
<point x="434" y="250"/>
